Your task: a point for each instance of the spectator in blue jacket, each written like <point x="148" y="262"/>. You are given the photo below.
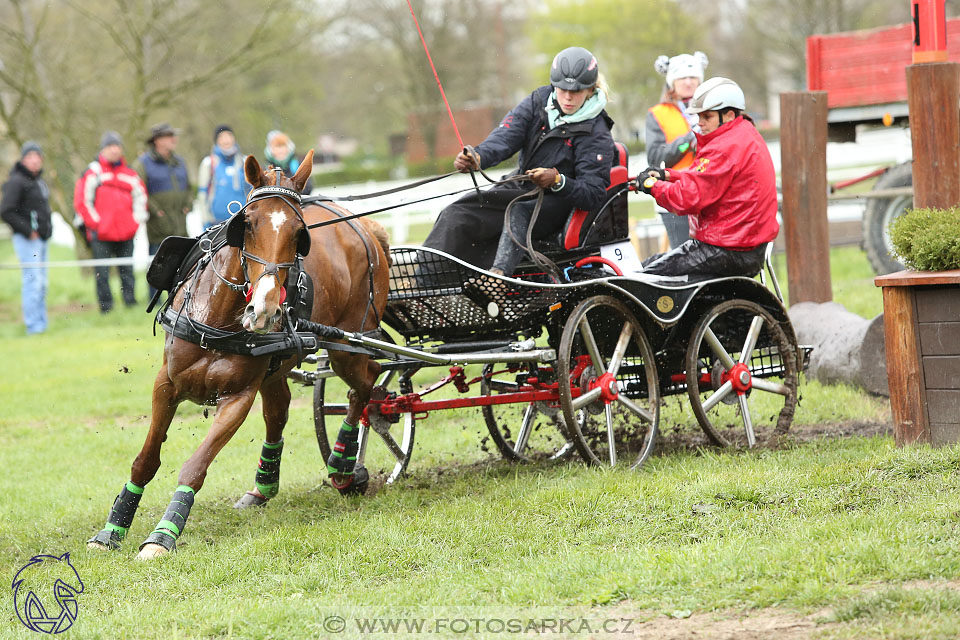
<point x="562" y="134"/>
<point x="220" y="177"/>
<point x="25" y="206"/>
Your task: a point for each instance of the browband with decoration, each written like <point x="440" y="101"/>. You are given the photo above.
<point x="261" y="192"/>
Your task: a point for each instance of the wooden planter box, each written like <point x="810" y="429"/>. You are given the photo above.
<point x="921" y="318"/>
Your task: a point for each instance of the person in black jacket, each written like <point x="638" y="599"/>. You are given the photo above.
<point x="563" y="136"/>
<point x="25" y="206"/>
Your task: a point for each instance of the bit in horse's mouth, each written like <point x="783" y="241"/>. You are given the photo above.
<point x="249" y="320"/>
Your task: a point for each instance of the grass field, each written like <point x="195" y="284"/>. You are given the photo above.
<point x="823" y="537"/>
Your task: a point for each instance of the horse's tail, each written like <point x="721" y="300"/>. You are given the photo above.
<point x="381" y="235"/>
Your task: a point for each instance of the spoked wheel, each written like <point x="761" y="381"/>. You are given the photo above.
<point x="393" y="441"/>
<point x="609" y="390"/>
<point x="741" y="370"/>
<point x="522" y="431"/>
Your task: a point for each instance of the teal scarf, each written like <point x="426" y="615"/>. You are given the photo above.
<point x="591" y="108"/>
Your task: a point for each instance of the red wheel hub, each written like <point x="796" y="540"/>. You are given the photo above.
<point x="609" y="389"/>
<point x="739" y="376"/>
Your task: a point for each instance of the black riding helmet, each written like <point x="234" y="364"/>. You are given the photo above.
<point x="574" y="69"/>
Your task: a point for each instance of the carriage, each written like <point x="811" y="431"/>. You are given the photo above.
<point x="581" y="365"/>
<point x="574" y="352"/>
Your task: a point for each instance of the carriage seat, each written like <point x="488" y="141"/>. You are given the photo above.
<point x="608" y="223"/>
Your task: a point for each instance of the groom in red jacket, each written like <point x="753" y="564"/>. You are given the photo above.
<point x="729" y="194"/>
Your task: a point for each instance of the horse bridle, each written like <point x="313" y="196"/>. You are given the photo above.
<point x="235" y="233"/>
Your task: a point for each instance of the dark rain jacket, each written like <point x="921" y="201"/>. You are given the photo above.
<point x="169" y="195"/>
<point x="583" y="151"/>
<point x="25" y="205"/>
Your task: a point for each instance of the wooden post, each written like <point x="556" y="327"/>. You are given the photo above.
<point x="933" y="92"/>
<point x="904" y="371"/>
<point x="803" y="153"/>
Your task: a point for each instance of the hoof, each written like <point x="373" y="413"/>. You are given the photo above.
<point x="251" y="499"/>
<point x="150" y="551"/>
<point x="106" y="540"/>
<point x="354" y="484"/>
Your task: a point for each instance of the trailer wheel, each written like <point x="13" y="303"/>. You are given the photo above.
<point x="396" y="439"/>
<point x="609" y="390"/>
<point x="735" y="349"/>
<point x="880" y="212"/>
<point x="522" y="431"/>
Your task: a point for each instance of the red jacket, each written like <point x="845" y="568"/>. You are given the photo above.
<point x="111" y="199"/>
<point x="730" y="192"/>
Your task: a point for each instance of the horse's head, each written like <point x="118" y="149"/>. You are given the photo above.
<point x="270" y="232"/>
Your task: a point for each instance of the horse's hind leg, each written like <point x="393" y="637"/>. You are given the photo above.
<point x="276" y="405"/>
<point x="144" y="467"/>
<point x="359" y="372"/>
<point x="231" y="413"/>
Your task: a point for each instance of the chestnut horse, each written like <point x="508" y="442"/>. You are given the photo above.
<point x="344" y="263"/>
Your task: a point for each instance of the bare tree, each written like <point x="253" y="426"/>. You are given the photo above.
<point x="70" y="69"/>
<point x="473" y="45"/>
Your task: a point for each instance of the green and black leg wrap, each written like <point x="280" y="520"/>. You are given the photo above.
<point x="343" y="457"/>
<point x="121" y="517"/>
<point x="174" y="520"/>
<point x="267" y="480"/>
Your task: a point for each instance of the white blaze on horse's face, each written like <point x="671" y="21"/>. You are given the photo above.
<point x="258" y="317"/>
<point x="277" y="218"/>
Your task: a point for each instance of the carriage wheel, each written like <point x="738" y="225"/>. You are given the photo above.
<point x="735" y="346"/>
<point x="396" y="440"/>
<point x="609" y="392"/>
<point x="522" y="431"/>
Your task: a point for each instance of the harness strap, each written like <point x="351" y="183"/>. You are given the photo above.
<point x="366" y="248"/>
<point x="375" y="194"/>
<point x="538" y="258"/>
<point x="321" y="199"/>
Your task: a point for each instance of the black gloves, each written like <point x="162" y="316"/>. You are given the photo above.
<point x="646" y="184"/>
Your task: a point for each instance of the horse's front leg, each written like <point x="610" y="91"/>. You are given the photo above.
<point x="231" y="412"/>
<point x="144" y="467"/>
<point x="359" y="372"/>
<point x="275" y="394"/>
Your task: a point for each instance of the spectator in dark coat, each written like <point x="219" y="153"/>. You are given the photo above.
<point x="25" y="206"/>
<point x="169" y="195"/>
<point x="563" y="136"/>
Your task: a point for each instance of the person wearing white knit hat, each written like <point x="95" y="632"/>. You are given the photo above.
<point x="670" y="127"/>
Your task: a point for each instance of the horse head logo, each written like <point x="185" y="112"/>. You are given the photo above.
<point x="36" y="580"/>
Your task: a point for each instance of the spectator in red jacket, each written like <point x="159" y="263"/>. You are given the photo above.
<point x="112" y="201"/>
<point x="730" y="192"/>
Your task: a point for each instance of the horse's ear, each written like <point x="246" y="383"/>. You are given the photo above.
<point x="251" y="170"/>
<point x="303" y="173"/>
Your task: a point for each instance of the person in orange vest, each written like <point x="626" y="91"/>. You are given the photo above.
<point x="670" y="138"/>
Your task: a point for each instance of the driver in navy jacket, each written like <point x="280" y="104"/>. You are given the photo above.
<point x="562" y="134"/>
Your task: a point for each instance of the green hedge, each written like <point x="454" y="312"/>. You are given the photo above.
<point x="928" y="239"/>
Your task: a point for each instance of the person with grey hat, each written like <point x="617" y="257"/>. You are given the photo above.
<point x="112" y="201"/>
<point x="562" y="134"/>
<point x="25" y="206"/>
<point x="169" y="194"/>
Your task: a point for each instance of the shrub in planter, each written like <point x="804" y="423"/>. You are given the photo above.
<point x="928" y="239"/>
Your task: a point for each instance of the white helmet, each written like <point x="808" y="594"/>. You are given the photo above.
<point x="681" y="66"/>
<point x="715" y="94"/>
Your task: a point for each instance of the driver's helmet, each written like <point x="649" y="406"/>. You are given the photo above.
<point x="716" y="94"/>
<point x="574" y="69"/>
